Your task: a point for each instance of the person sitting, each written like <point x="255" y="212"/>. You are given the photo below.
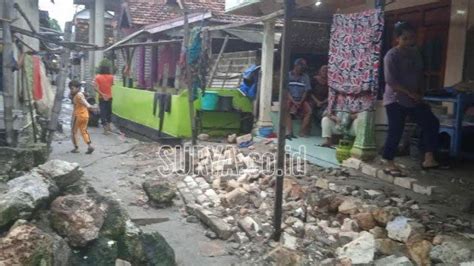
<point x="319" y="93"/>
<point x="298" y="88"/>
<point x="337" y="124"/>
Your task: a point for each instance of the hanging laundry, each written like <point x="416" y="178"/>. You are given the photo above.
<point x="354" y="60"/>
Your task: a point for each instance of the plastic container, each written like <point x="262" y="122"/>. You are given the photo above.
<point x="265" y="131"/>
<point x="343" y="150"/>
<point x="225" y="103"/>
<point x="209" y="101"/>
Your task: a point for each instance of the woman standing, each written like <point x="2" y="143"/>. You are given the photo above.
<point x="319" y="93"/>
<point x="103" y="85"/>
<point x="403" y="97"/>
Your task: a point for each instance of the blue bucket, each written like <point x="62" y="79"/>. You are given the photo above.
<point x="209" y="100"/>
<point x="265" y="131"/>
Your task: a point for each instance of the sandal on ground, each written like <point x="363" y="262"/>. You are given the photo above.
<point x="76" y="150"/>
<point x="394" y="172"/>
<point x="288" y="137"/>
<point x="326" y="145"/>
<point x="90" y="150"/>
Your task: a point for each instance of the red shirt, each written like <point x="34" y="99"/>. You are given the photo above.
<point x="104" y="84"/>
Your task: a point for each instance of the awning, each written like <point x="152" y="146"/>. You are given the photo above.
<point x="250" y="35"/>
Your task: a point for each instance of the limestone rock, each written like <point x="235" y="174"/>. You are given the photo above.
<point x="115" y="220"/>
<point x="24" y="195"/>
<point x="419" y="252"/>
<point x="145" y="249"/>
<point x="26" y="244"/>
<point x="349" y="225"/>
<point x="203" y="137"/>
<point x="243" y="138"/>
<point x="289" y="241"/>
<point x="237" y="196"/>
<point x="102" y="251"/>
<point x="249" y="226"/>
<point x="387" y="246"/>
<point x="282" y="256"/>
<point x="385" y="215"/>
<point x="232" y="138"/>
<point x="360" y="250"/>
<point x="393" y="261"/>
<point x="401" y="229"/>
<point x="365" y="220"/>
<point x="378" y="232"/>
<point x="452" y="251"/>
<point x="77" y="217"/>
<point x="349" y="206"/>
<point x="61" y="172"/>
<point x="159" y="192"/>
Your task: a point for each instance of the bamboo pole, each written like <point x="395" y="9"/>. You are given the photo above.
<point x="61" y="84"/>
<point x="8" y="89"/>
<point x="216" y="64"/>
<point x="285" y="66"/>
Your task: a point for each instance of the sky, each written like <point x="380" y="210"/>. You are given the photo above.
<point x="62" y="10"/>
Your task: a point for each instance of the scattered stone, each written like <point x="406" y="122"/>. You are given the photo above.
<point x="452" y="251"/>
<point x="324" y="225"/>
<point x="360" y="250"/>
<point x="77" y="217"/>
<point x="241" y="237"/>
<point x="159" y="192"/>
<point x="322" y="183"/>
<point x="203" y="137"/>
<point x="236" y="197"/>
<point x="365" y="220"/>
<point x="369" y="170"/>
<point x="352" y="163"/>
<point x="385" y="215"/>
<point x="404" y="182"/>
<point x="419" y="252"/>
<point x="26" y="244"/>
<point x="349" y="225"/>
<point x="61" y="172"/>
<point x="192" y="219"/>
<point x="401" y="229"/>
<point x="373" y="193"/>
<point x="283" y="256"/>
<point x="120" y="262"/>
<point x="393" y="261"/>
<point x="243" y="138"/>
<point x="211" y="235"/>
<point x="378" y="232"/>
<point x="349" y="206"/>
<point x="232" y="138"/>
<point x="387" y="246"/>
<point x="220" y="227"/>
<point x="25" y="194"/>
<point x="249" y="226"/>
<point x="425" y="190"/>
<point x="289" y="241"/>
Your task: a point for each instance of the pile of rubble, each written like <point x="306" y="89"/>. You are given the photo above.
<point x="324" y="223"/>
<point x="50" y="216"/>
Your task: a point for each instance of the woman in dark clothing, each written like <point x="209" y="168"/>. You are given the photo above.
<point x="403" y="97"/>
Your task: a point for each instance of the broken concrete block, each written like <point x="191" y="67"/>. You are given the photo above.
<point x="322" y="183"/>
<point x="232" y="184"/>
<point x="369" y="170"/>
<point x="404" y="182"/>
<point x="203" y="137"/>
<point x="249" y="226"/>
<point x="212" y="195"/>
<point x="385" y="177"/>
<point x="360" y="250"/>
<point x="352" y="163"/>
<point x="217" y="225"/>
<point x="425" y="190"/>
<point x="401" y="229"/>
<point x="243" y="138"/>
<point x="237" y="196"/>
<point x="202" y="199"/>
<point x="232" y="138"/>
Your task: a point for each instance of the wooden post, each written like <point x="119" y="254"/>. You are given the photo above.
<point x="216" y="64"/>
<point x="285" y="67"/>
<point x="8" y="89"/>
<point x="187" y="76"/>
<point x="61" y="84"/>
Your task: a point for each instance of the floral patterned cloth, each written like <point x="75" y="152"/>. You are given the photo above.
<point x="354" y="60"/>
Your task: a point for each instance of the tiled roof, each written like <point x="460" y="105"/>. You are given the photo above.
<point x="144" y="12"/>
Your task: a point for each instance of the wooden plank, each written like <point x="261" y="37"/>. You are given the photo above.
<point x="8" y="89"/>
<point x="248" y="22"/>
<point x="216" y="64"/>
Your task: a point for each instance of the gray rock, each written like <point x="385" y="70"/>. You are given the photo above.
<point x="393" y="261"/>
<point x="401" y="229"/>
<point x="216" y="224"/>
<point x="159" y="192"/>
<point x="77" y="217"/>
<point x="24" y="195"/>
<point x="249" y="226"/>
<point x="360" y="250"/>
<point x="26" y="244"/>
<point x="452" y="252"/>
<point x="192" y="219"/>
<point x="290" y="242"/>
<point x="103" y="251"/>
<point x="61" y="172"/>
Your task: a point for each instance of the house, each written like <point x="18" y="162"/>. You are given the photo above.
<point x="444" y="24"/>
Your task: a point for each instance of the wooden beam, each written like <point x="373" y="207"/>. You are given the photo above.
<point x="157" y="43"/>
<point x="8" y="89"/>
<point x="247" y="22"/>
<point x="216" y="64"/>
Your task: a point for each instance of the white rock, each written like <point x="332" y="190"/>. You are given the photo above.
<point x="372" y="193"/>
<point x="360" y="250"/>
<point x="401" y="228"/>
<point x="349" y="225"/>
<point x="393" y="261"/>
<point x="289" y="241"/>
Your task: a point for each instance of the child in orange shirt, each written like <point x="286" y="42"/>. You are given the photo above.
<point x="80" y="117"/>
